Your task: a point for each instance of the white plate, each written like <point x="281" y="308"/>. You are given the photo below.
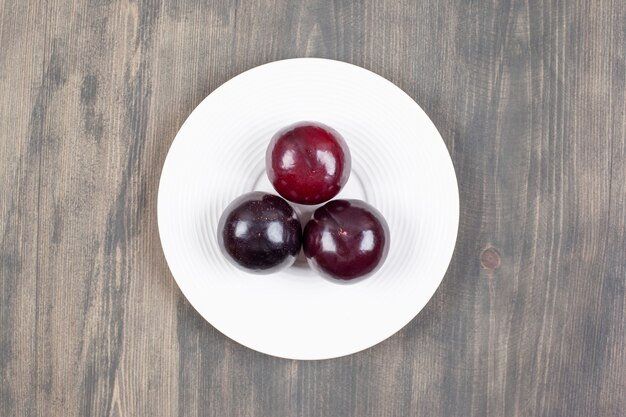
<point x="400" y="165"/>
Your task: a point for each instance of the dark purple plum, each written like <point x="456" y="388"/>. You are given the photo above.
<point x="346" y="239"/>
<point x="260" y="233"/>
<point x="308" y="162"/>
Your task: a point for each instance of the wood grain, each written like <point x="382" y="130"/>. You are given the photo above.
<point x="530" y="98"/>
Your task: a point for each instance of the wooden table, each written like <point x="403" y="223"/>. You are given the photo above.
<point x="530" y="98"/>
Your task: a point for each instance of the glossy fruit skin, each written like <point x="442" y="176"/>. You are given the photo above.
<point x="308" y="162"/>
<point x="346" y="240"/>
<point x="260" y="233"/>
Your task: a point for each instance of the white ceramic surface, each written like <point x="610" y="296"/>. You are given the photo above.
<point x="399" y="164"/>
